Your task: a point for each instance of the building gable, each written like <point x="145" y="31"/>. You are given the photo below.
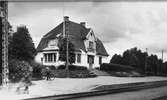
<point x="90" y="42"/>
<point x="91" y="36"/>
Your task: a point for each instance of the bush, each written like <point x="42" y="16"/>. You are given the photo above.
<point x="115" y="67"/>
<point x="72" y="67"/>
<point x="18" y="69"/>
<point x="51" y="67"/>
<point x="74" y="72"/>
<point x="37" y="70"/>
<point x="61" y="73"/>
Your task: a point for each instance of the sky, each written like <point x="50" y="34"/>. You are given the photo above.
<point x="119" y="25"/>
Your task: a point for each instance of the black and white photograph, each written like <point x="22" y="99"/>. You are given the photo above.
<point x="83" y="50"/>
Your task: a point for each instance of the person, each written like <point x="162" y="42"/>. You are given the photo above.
<point x="48" y="74"/>
<point x="25" y="83"/>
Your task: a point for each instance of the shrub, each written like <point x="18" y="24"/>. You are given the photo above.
<point x="37" y="70"/>
<point x="18" y="69"/>
<point x="61" y="73"/>
<point x="74" y="72"/>
<point x="51" y="67"/>
<point x="72" y="67"/>
<point x="115" y="67"/>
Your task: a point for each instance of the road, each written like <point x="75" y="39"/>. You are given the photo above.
<point x="146" y="94"/>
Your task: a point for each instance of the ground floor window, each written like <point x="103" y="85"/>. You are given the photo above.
<point x="90" y="59"/>
<point x="78" y="58"/>
<point x="50" y="57"/>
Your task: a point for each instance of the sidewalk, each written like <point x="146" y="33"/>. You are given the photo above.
<point x="70" y="85"/>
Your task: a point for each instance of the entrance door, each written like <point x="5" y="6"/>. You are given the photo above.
<point x="90" y="61"/>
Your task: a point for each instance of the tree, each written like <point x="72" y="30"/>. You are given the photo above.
<point x="63" y="48"/>
<point x="117" y="59"/>
<point x="21" y="46"/>
<point x="133" y="57"/>
<point x="152" y="64"/>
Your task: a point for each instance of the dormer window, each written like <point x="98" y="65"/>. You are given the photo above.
<point x="53" y="43"/>
<point x="90" y="44"/>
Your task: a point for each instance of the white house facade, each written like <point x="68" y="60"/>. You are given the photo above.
<point x="89" y="50"/>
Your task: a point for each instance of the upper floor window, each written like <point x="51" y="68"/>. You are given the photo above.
<point x="90" y="44"/>
<point x="53" y="42"/>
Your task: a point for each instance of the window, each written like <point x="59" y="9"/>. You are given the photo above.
<point x="50" y="57"/>
<point x="90" y="44"/>
<point x="53" y="42"/>
<point x="100" y="60"/>
<point x="54" y="57"/>
<point x="46" y="57"/>
<point x="78" y="58"/>
<point x="90" y="59"/>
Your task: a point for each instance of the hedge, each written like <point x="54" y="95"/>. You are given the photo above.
<point x="73" y="67"/>
<point x="115" y="67"/>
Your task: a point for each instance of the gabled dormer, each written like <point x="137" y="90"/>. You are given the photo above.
<point x="52" y="45"/>
<point x="90" y="42"/>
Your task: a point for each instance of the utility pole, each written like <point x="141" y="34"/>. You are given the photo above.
<point x="66" y="30"/>
<point x="4" y="16"/>
<point x="146" y="62"/>
<point x="162" y="55"/>
<point x="162" y="66"/>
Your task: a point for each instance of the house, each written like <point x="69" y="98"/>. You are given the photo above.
<point x="89" y="50"/>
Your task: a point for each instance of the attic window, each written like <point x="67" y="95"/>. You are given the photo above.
<point x="53" y="42"/>
<point x="90" y="44"/>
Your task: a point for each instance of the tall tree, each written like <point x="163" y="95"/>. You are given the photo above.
<point x="117" y="59"/>
<point x="21" y="46"/>
<point x="63" y="49"/>
<point x="133" y="57"/>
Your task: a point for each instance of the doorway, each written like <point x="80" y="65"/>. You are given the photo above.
<point x="90" y="61"/>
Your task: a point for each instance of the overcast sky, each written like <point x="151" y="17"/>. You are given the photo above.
<point x="120" y="25"/>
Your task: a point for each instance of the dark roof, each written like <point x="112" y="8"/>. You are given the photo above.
<point x="77" y="33"/>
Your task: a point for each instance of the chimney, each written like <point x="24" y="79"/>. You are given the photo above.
<point x="83" y="24"/>
<point x="66" y="18"/>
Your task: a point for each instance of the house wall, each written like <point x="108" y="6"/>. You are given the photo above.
<point x="38" y="57"/>
<point x="41" y="55"/>
<point x="84" y="59"/>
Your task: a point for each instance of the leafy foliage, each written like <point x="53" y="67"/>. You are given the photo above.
<point x="63" y="49"/>
<point x="19" y="69"/>
<point x="21" y="53"/>
<point x="115" y="67"/>
<point x="73" y="67"/>
<point x="37" y="70"/>
<point x="140" y="60"/>
<point x="21" y="45"/>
